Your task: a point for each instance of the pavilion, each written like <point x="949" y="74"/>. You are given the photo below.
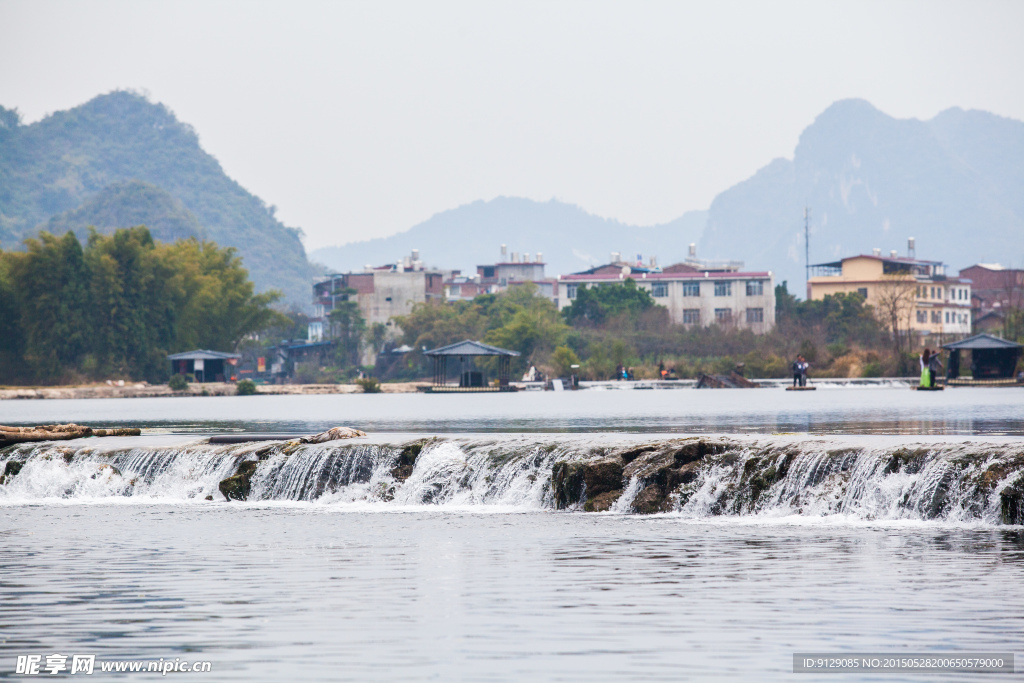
<point x="471" y="378"/>
<point x="203" y="365"/>
<point x="993" y="360"/>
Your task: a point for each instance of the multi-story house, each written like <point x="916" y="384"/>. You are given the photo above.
<point x="995" y="291"/>
<point x="513" y="269"/>
<point x="924" y="297"/>
<point x="382" y="293"/>
<point x="727" y="297"/>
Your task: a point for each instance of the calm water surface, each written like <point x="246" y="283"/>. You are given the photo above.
<point x="829" y="410"/>
<point x="366" y="592"/>
<point x="318" y="593"/>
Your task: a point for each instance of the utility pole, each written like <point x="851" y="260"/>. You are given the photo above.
<point x="807" y="249"/>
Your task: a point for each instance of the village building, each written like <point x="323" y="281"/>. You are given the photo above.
<point x="928" y="301"/>
<point x="995" y="291"/>
<point x="513" y="269"/>
<point x="382" y="293"/>
<point x="694" y="292"/>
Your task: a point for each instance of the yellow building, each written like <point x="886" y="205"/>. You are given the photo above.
<point x="928" y="302"/>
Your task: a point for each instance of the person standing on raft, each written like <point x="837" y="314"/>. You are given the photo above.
<point x="798" y="370"/>
<point x="925" y="359"/>
<point x="934" y="368"/>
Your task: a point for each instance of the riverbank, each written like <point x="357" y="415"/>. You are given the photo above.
<point x="143" y="390"/>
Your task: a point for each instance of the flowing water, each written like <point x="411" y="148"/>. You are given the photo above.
<point x="464" y="551"/>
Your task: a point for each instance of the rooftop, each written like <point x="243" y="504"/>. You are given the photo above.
<point x="470" y="348"/>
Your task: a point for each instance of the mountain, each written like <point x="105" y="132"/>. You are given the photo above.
<point x="570" y="238"/>
<point x="955" y="183"/>
<point x="120" y="160"/>
<point x="127" y="204"/>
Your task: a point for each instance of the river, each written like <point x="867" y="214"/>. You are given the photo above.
<point x="452" y="543"/>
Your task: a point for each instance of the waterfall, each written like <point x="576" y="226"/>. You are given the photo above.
<point x="696" y="477"/>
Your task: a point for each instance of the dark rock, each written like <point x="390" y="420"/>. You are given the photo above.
<point x="1011" y="502"/>
<point x="566" y="483"/>
<point x="650" y="500"/>
<point x="684" y="475"/>
<point x="571" y="481"/>
<point x="236" y="487"/>
<point x="208" y="498"/>
<point x="631" y="455"/>
<point x="696" y="450"/>
<point x="602" y="501"/>
<point x="12" y="469"/>
<point x="602" y="476"/>
<point x="407" y="461"/>
<point x="247" y="467"/>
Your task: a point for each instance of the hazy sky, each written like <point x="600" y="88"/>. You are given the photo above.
<point x="360" y="119"/>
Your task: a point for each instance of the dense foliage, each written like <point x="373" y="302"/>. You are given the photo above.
<point x="118" y="306"/>
<point x="517" y="319"/>
<point x="77" y="168"/>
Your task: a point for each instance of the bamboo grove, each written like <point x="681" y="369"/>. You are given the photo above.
<point x="118" y="305"/>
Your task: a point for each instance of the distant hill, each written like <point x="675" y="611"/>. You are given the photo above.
<point x="120" y="160"/>
<point x="955" y="183"/>
<point x="569" y="238"/>
<point x="127" y="204"/>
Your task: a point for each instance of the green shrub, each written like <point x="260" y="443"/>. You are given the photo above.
<point x="245" y="387"/>
<point x="370" y="385"/>
<point x="178" y="383"/>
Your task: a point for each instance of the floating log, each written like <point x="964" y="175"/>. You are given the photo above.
<point x="59" y="432"/>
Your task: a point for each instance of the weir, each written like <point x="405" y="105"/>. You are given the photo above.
<point x="695" y="477"/>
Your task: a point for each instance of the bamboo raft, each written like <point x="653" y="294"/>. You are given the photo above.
<point x="10" y="435"/>
<point x="801" y="388"/>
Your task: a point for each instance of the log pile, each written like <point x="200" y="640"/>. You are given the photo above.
<point x="9" y="435"/>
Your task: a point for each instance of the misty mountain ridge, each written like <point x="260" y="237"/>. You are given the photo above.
<point x="955" y="183"/>
<point x="119" y="160"/>
<point x="569" y="238"/>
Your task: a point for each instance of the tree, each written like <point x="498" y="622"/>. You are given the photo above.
<point x="120" y="305"/>
<point x="53" y="301"/>
<point x="895" y="306"/>
<point x="347" y="326"/>
<point x="598" y="304"/>
<point x="563" y="360"/>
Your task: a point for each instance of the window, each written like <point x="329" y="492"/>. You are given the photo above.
<point x="659" y="289"/>
<point x="454" y="290"/>
<point x="488" y="271"/>
<point x="863" y="291"/>
<point x="922" y="316"/>
<point x="691" y="289"/>
<point x="723" y="289"/>
<point x="933" y="292"/>
<point x="691" y="316"/>
<point x="570" y="291"/>
<point x="755" y="315"/>
<point x="723" y="315"/>
<point x="936" y="317"/>
<point x="755" y="288"/>
<point x="947" y="316"/>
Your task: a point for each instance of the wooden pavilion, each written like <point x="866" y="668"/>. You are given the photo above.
<point x="471" y="378"/>
<point x="993" y="361"/>
<point x="204" y="365"/>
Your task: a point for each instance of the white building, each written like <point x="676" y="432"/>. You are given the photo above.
<point x="727" y="298"/>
